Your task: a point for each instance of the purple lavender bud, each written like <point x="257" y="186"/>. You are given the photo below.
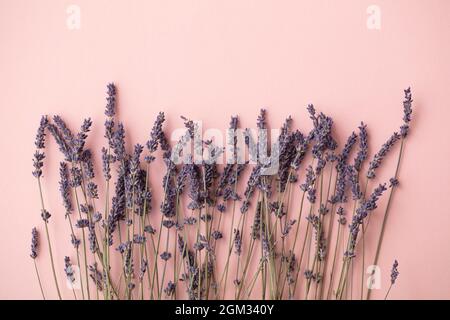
<point x="287" y="227"/>
<point x="190" y="220"/>
<point x="261" y="121"/>
<point x="88" y="166"/>
<point x="354" y="182"/>
<point x="182" y="178"/>
<point x="363" y="147"/>
<point x="85" y="208"/>
<point x="216" y="235"/>
<point x="308" y="274"/>
<point x="110" y="110"/>
<point x="40" y="135"/>
<point x="123" y="247"/>
<point x="69" y="270"/>
<point x="75" y="242"/>
<point x="394" y="272"/>
<point x="64" y="187"/>
<point x="323" y="210"/>
<point x="76" y="177"/>
<point x="342" y="158"/>
<point x="96" y="276"/>
<point x="92" y="190"/>
<point x="143" y="269"/>
<point x="379" y="156"/>
<point x="34" y="243"/>
<point x="237" y="242"/>
<point x="45" y="215"/>
<point x="165" y="255"/>
<point x="170" y="289"/>
<point x="149" y="229"/>
<point x="63" y="145"/>
<point x="157" y="135"/>
<point x="341" y="216"/>
<point x="97" y="217"/>
<point x="67" y="135"/>
<point x="38" y="163"/>
<point x="407" y="111"/>
<point x="118" y="142"/>
<point x="79" y="140"/>
<point x="138" y="239"/>
<point x="106" y="164"/>
<point x="221" y="207"/>
<point x="393" y="182"/>
<point x="93" y="246"/>
<point x="82" y="223"/>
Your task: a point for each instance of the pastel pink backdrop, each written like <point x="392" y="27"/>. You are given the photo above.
<point x="212" y="59"/>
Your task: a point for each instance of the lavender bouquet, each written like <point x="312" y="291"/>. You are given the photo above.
<point x="217" y="236"/>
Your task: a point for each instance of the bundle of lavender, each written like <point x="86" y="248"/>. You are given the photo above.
<point x="211" y="239"/>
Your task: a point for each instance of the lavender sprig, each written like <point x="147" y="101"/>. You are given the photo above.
<point x="34" y="243"/>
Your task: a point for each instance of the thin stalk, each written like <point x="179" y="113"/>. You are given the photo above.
<point x="78" y="255"/>
<point x="386" y="213"/>
<point x="387" y="293"/>
<point x="39" y="278"/>
<point x="84" y="248"/>
<point x="338" y="238"/>
<point x="48" y="241"/>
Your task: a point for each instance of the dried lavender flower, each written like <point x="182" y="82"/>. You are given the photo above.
<point x="92" y="190"/>
<point x="216" y="235"/>
<point x="170" y="289"/>
<point x="142" y="269"/>
<point x="69" y="270"/>
<point x="149" y="229"/>
<point x="64" y="187"/>
<point x="110" y="110"/>
<point x="40" y="135"/>
<point x="407" y="111"/>
<point x="93" y="245"/>
<point x="34" y="243"/>
<point x="106" y="164"/>
<point x="237" y="242"/>
<point x="157" y="135"/>
<point x="379" y="156"/>
<point x="394" y="272"/>
<point x="354" y="182"/>
<point x="96" y="276"/>
<point x="287" y="228"/>
<point x="138" y="239"/>
<point x="39" y="142"/>
<point x="38" y="163"/>
<point x="75" y="242"/>
<point x="363" y="147"/>
<point x="165" y="255"/>
<point x="393" y="182"/>
<point x="82" y="223"/>
<point x="45" y="215"/>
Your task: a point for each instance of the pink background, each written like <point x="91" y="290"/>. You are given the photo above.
<point x="209" y="60"/>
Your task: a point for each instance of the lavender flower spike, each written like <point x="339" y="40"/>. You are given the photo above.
<point x="69" y="270"/>
<point x="110" y="100"/>
<point x="38" y="156"/>
<point x="379" y="156"/>
<point x="407" y="111"/>
<point x="394" y="272"/>
<point x="34" y="243"/>
<point x="64" y="187"/>
<point x="363" y="147"/>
